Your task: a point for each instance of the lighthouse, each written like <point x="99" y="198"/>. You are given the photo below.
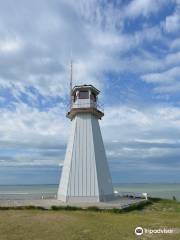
<point x="85" y="175"/>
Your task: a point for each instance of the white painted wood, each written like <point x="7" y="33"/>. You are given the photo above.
<point x="84" y="103"/>
<point x="85" y="175"/>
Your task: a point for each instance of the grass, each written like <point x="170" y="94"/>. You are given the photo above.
<point x="71" y="223"/>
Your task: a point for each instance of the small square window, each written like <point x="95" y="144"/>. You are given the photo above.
<point x="83" y="94"/>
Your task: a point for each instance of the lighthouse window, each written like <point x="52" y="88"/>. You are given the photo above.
<point x="93" y="97"/>
<point x="83" y="94"/>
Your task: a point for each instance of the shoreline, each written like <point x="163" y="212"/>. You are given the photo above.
<point x="162" y="190"/>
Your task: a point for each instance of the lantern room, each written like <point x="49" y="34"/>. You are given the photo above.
<point x="84" y="98"/>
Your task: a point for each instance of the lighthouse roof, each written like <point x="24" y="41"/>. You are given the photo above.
<point x="85" y="87"/>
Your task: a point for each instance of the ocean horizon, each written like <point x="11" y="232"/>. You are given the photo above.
<point x="33" y="191"/>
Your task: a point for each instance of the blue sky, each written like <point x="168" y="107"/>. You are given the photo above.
<point x="130" y="50"/>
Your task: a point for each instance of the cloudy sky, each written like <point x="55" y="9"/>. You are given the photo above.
<point x="130" y="50"/>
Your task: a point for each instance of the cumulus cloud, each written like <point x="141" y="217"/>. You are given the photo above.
<point x="34" y="137"/>
<point x="143" y="8"/>
<point x="142" y="138"/>
<point x="29" y="137"/>
<point x="167" y="81"/>
<point x="37" y="50"/>
<point x="110" y="49"/>
<point x="45" y="34"/>
<point x="172" y="22"/>
<point x="169" y="76"/>
<point x="175" y="44"/>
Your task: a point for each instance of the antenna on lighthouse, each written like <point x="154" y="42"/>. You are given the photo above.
<point x="71" y="81"/>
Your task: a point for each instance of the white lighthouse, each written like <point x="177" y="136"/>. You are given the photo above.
<point x="85" y="175"/>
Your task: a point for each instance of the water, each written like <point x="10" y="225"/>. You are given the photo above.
<point x="50" y="191"/>
<point x="28" y="191"/>
<point x="165" y="190"/>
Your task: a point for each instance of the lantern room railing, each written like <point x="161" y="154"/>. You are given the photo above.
<point x="86" y="104"/>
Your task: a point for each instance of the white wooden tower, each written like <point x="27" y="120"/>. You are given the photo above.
<point x="85" y="175"/>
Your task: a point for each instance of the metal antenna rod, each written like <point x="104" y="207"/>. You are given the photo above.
<point x="71" y="81"/>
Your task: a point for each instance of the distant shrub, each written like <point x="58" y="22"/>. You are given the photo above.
<point x="174" y="198"/>
<point x="30" y="207"/>
<point x="71" y="208"/>
<point x="4" y="208"/>
<point x="55" y="208"/>
<point x="155" y="199"/>
<point x="94" y="208"/>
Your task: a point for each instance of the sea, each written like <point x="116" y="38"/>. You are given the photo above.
<point x="47" y="191"/>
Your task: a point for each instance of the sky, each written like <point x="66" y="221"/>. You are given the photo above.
<point x="129" y="50"/>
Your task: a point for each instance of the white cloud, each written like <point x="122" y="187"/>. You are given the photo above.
<point x="127" y="131"/>
<point x="169" y="76"/>
<point x="51" y="31"/>
<point x="7" y="46"/>
<point x="175" y="44"/>
<point x="126" y="124"/>
<point x="86" y="28"/>
<point x="145" y="136"/>
<point x="143" y="8"/>
<point x="101" y="14"/>
<point x="36" y="54"/>
<point x="167" y="81"/>
<point x="92" y="30"/>
<point x="172" y="22"/>
<point x="30" y="133"/>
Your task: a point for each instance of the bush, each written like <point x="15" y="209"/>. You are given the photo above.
<point x="94" y="208"/>
<point x="71" y="208"/>
<point x="174" y="198"/>
<point x="30" y="207"/>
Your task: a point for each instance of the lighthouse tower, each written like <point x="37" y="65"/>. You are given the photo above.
<point x="85" y="176"/>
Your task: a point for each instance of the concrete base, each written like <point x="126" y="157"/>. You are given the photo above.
<point x="86" y="199"/>
<point x="119" y="203"/>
